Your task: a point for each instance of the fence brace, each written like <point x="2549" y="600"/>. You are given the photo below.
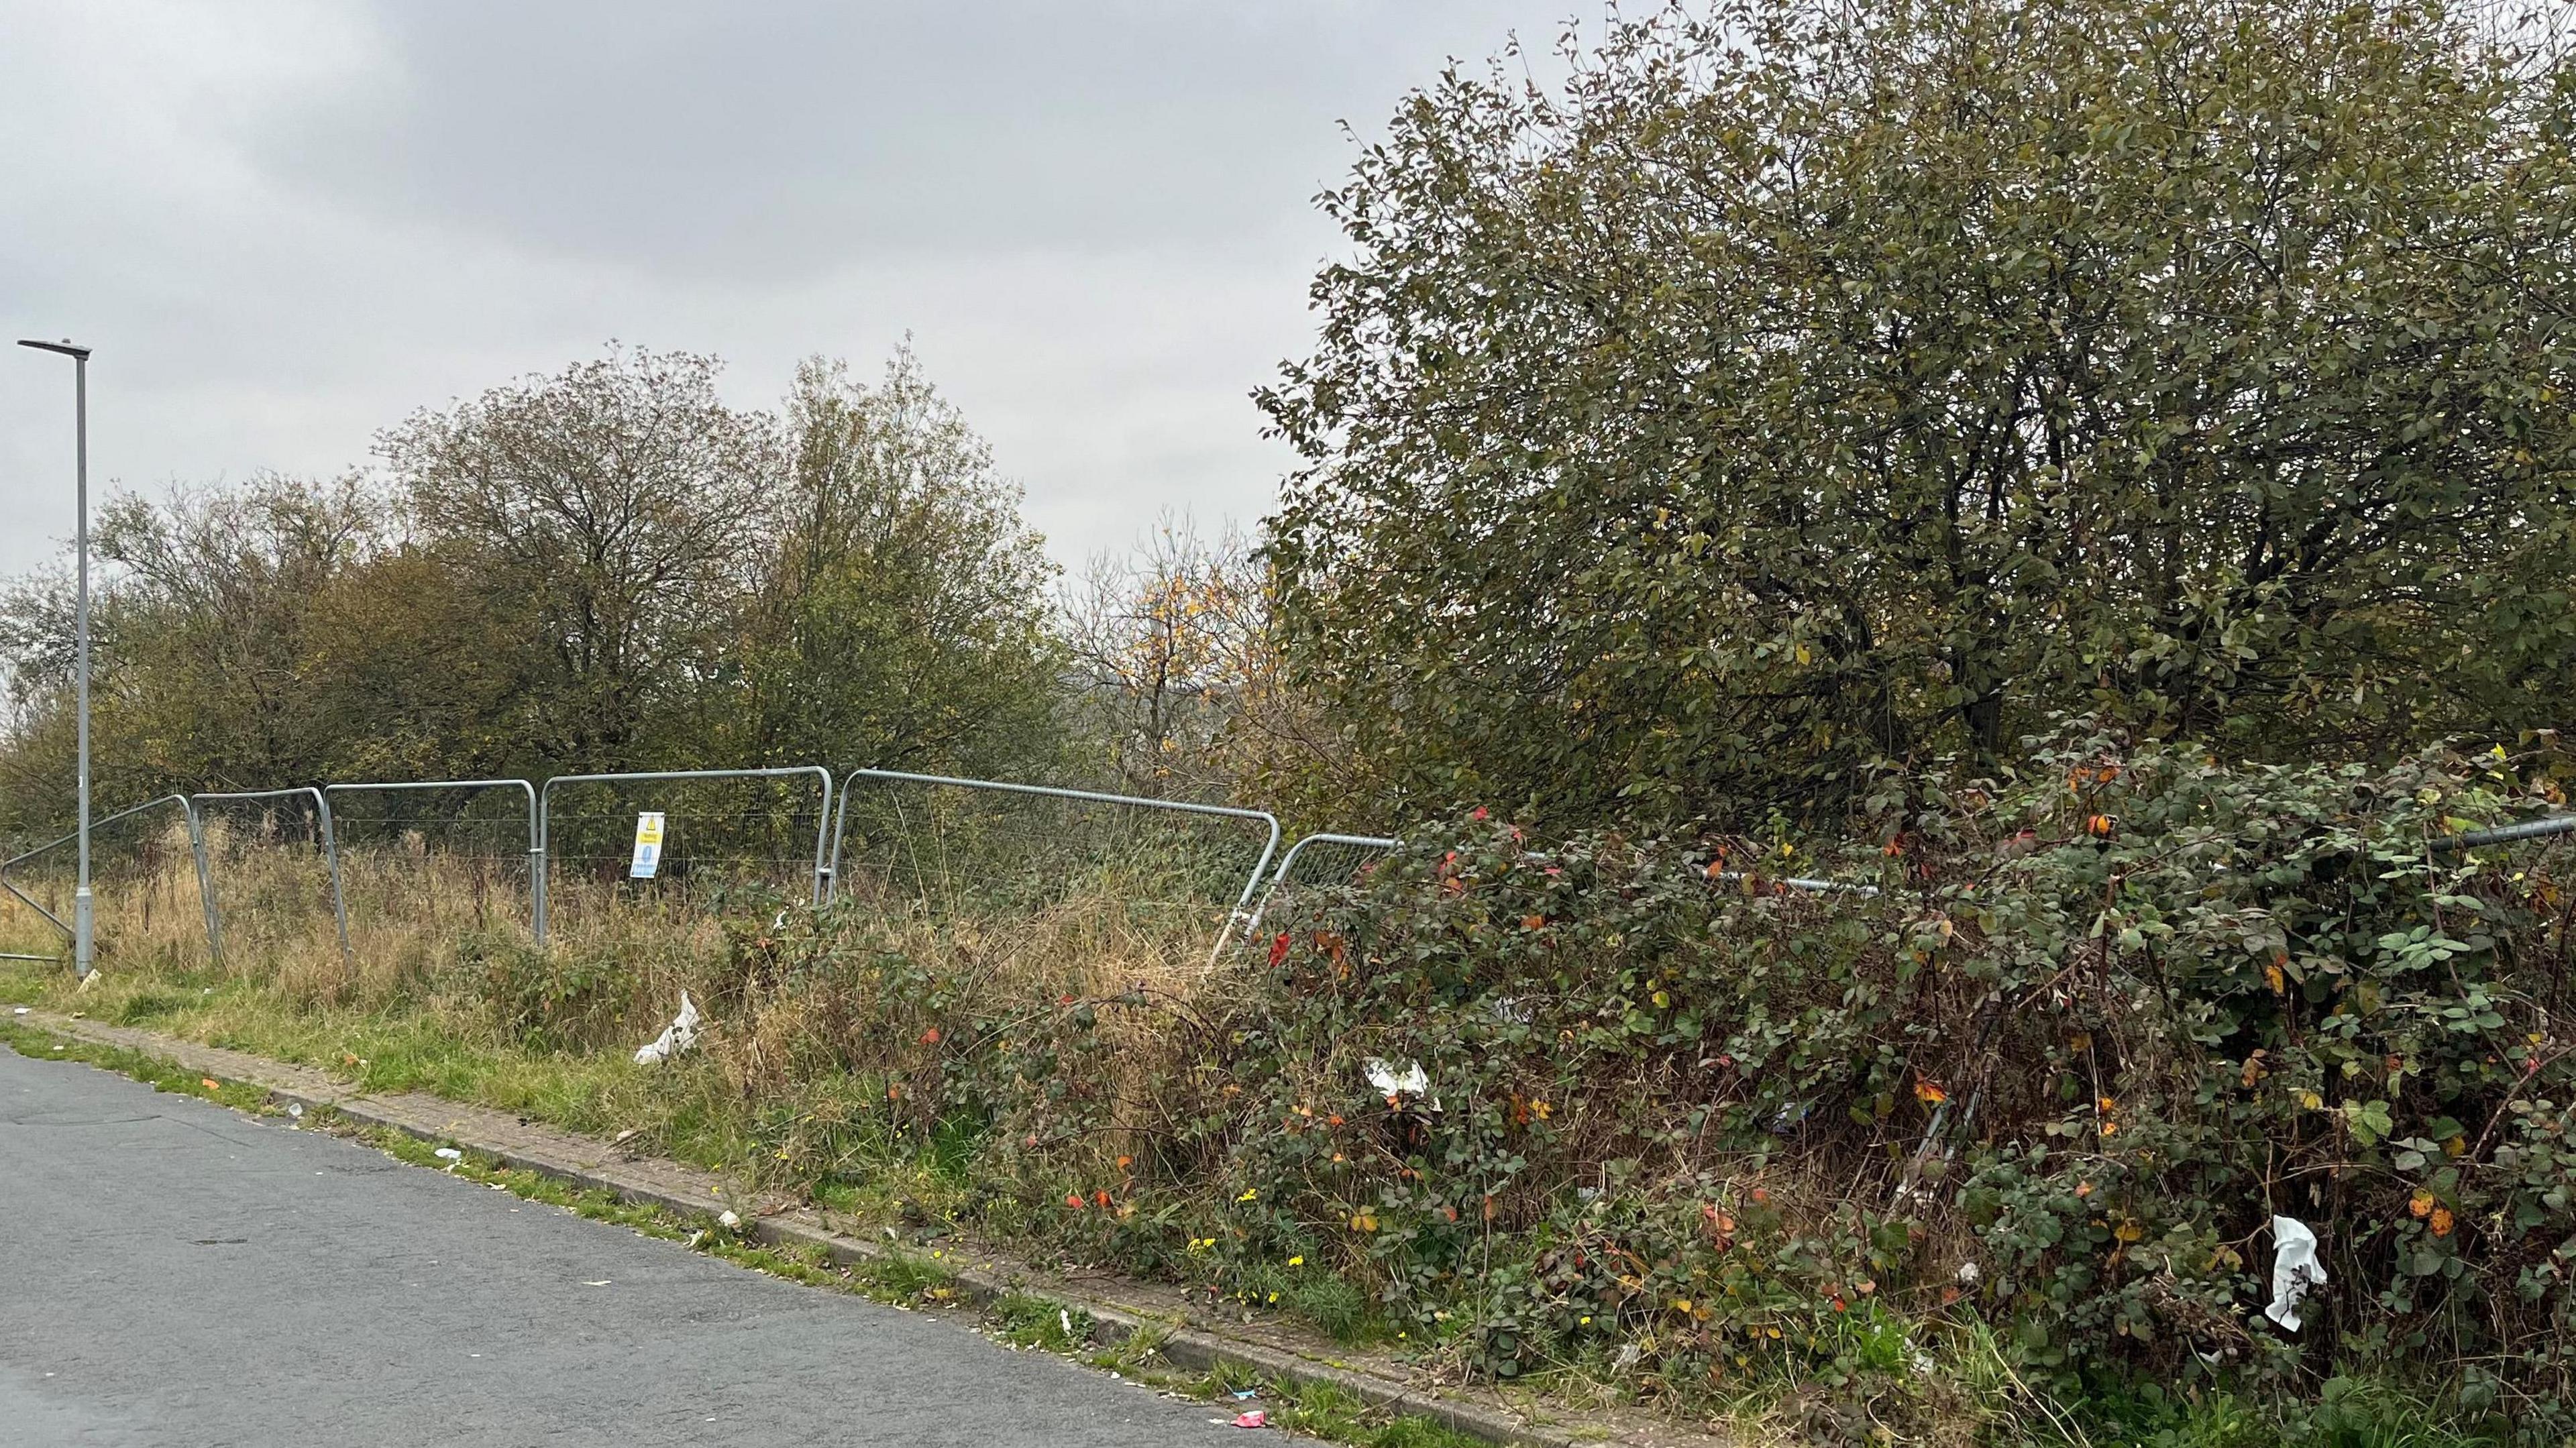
<point x="1233" y="918"/>
<point x="536" y="840"/>
<point x="822" y="822"/>
<point x="196" y="847"/>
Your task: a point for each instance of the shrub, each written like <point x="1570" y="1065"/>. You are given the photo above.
<point x="2102" y="1019"/>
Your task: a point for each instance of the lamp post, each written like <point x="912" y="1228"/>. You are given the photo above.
<point x="84" y="943"/>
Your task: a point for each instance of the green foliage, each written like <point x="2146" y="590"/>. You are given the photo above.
<point x="1809" y="386"/>
<point x="1675" y="1106"/>
<point x="900" y="618"/>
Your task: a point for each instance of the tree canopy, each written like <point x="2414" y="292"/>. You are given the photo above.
<point x="1810" y="388"/>
<point x="605" y="568"/>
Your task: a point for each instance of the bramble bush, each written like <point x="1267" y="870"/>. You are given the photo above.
<point x="1690" y="1129"/>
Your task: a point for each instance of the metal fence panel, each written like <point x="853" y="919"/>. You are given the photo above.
<point x="196" y="847"/>
<point x="536" y="834"/>
<point x="823" y="819"/>
<point x="330" y="848"/>
<point x="1268" y="822"/>
<point x="1286" y="872"/>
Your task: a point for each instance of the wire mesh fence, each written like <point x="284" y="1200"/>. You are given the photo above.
<point x="727" y="838"/>
<point x="1321" y="859"/>
<point x="987" y="849"/>
<point x="148" y="881"/>
<point x="274" y="871"/>
<point x="362" y="879"/>
<point x="444" y="855"/>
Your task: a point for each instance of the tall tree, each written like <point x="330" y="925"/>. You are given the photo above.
<point x="610" y="513"/>
<point x="900" y="608"/>
<point x="1817" y="385"/>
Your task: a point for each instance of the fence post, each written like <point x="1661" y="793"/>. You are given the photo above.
<point x="205" y="881"/>
<point x="331" y="858"/>
<point x="536" y="870"/>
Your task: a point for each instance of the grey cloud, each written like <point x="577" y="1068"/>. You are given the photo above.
<point x="287" y="223"/>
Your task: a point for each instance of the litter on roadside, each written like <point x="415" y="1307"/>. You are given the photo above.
<point x="676" y="1037"/>
<point x="1411" y="1080"/>
<point x="2295" y="1270"/>
<point x="449" y="1153"/>
<point x="1254" y="1419"/>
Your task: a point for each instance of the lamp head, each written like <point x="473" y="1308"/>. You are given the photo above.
<point x="65" y="347"/>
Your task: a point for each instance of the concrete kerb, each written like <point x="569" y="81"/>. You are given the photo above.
<point x="599" y="1166"/>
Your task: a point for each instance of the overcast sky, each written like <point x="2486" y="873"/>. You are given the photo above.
<point x="286" y="225"/>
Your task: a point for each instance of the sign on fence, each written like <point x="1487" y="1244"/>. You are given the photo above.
<point x="648" y="846"/>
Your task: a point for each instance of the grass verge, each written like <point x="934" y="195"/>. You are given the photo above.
<point x="908" y="1280"/>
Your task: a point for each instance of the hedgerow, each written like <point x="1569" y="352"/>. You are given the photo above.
<point x="2045" y="1080"/>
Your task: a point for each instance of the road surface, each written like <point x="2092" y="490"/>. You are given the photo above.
<point x="173" y="1273"/>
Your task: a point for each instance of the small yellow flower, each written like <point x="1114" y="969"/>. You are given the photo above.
<point x="1297" y="1261"/>
<point x="1248" y="1195"/>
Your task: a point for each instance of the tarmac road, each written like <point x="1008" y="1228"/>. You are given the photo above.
<point x="173" y="1273"/>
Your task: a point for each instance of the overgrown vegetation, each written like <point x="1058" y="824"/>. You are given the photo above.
<point x="1991" y="1150"/>
<point x="1743" y="463"/>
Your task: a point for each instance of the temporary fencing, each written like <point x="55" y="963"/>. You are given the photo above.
<point x="1333" y="857"/>
<point x="967" y="845"/>
<point x="949" y="843"/>
<point x="462" y="829"/>
<point x="705" y="831"/>
<point x="140" y="865"/>
<point x="234" y="849"/>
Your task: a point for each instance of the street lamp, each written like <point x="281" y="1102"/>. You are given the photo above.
<point x="84" y="944"/>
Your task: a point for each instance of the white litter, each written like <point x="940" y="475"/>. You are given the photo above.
<point x="1968" y="1274"/>
<point x="449" y="1153"/>
<point x="295" y="1109"/>
<point x="728" y="1221"/>
<point x="1066" y="1319"/>
<point x="22" y="1010"/>
<point x="678" y="1036"/>
<point x="1411" y="1081"/>
<point x="2295" y="1269"/>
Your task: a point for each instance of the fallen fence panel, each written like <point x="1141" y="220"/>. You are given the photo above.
<point x="1287" y="871"/>
<point x="196" y="846"/>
